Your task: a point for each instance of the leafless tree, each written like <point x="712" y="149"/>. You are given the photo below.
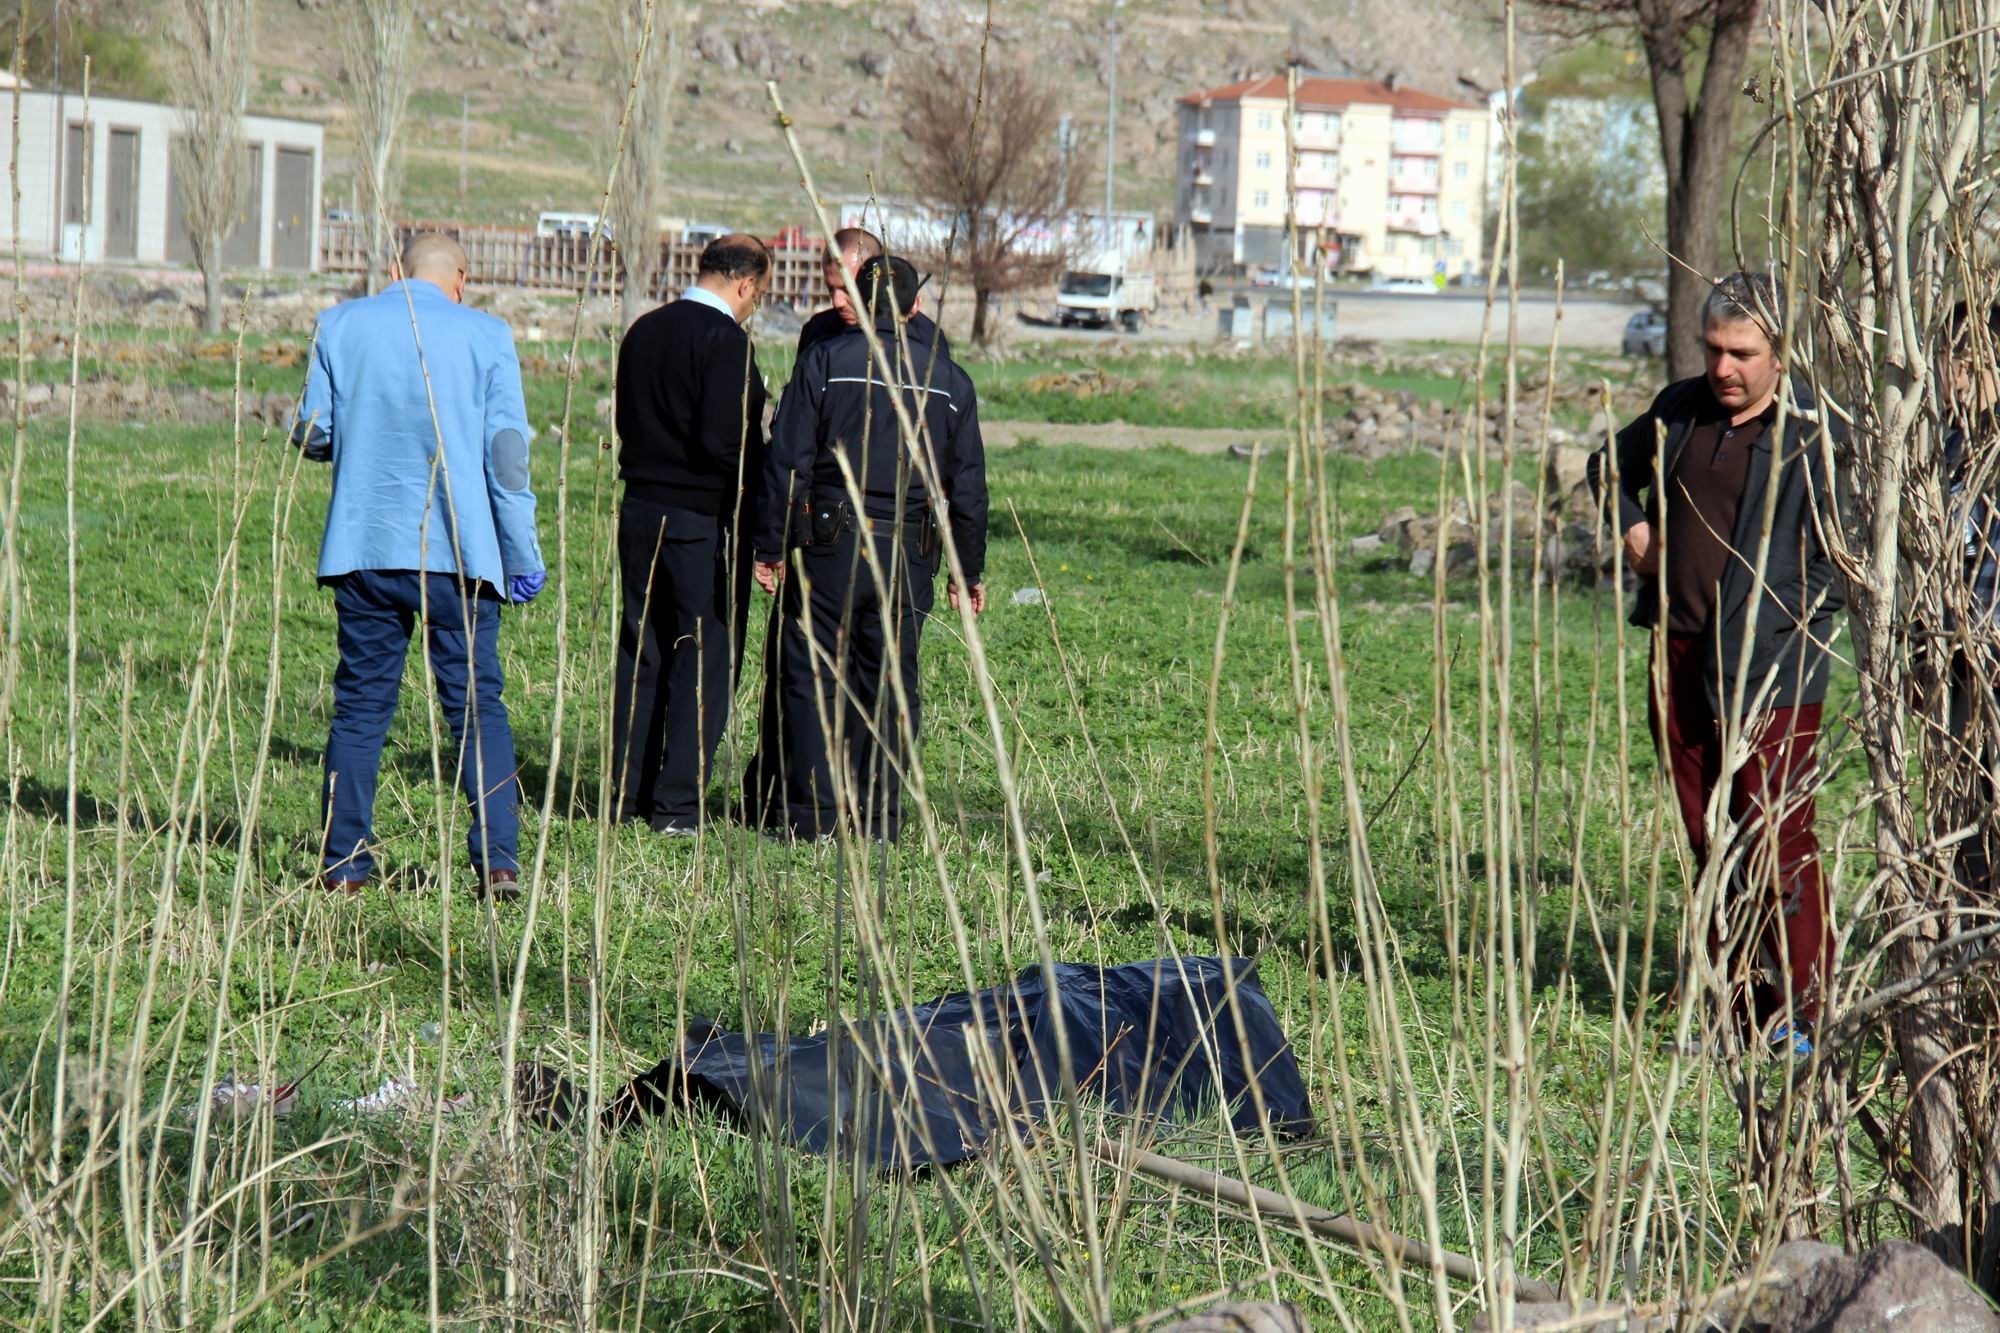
<point x="980" y="146"/>
<point x="639" y="193"/>
<point x="1895" y="170"/>
<point x="213" y="42"/>
<point x="1696" y="132"/>
<point x="375" y="43"/>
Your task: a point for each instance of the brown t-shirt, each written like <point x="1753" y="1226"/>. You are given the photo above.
<point x="1703" y="492"/>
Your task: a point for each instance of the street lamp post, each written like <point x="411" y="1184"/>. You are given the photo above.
<point x="1117" y="264"/>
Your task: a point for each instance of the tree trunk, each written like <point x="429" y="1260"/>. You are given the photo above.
<point x="981" y="300"/>
<point x="637" y="290"/>
<point x="372" y="283"/>
<point x="1694" y="148"/>
<point x="211" y="287"/>
<point x="1928" y="1031"/>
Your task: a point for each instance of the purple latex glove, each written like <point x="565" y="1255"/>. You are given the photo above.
<point x="523" y="587"/>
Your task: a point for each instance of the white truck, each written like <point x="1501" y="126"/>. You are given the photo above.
<point x="1090" y="297"/>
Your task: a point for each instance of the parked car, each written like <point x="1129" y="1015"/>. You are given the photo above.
<point x="572" y="225"/>
<point x="1413" y="286"/>
<point x="1646" y="334"/>
<point x="1283" y="278"/>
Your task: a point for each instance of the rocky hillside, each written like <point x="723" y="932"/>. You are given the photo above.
<point x="522" y="84"/>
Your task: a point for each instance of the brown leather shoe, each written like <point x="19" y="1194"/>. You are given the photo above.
<point x="350" y="888"/>
<point x="501" y="886"/>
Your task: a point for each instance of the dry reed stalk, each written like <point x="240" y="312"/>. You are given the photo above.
<point x="982" y="676"/>
<point x="59" y="1100"/>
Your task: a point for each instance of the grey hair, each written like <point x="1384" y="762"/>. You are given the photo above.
<point x="1746" y="296"/>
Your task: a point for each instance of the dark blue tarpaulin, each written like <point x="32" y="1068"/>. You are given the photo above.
<point x="929" y="1085"/>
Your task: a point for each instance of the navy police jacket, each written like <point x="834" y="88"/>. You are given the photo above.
<point x="840" y="404"/>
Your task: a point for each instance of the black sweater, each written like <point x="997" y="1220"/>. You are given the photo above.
<point x="837" y="403"/>
<point x="690" y="409"/>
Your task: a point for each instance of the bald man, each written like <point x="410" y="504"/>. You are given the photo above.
<point x="416" y="402"/>
<point x="852" y="247"/>
<point x="690" y="403"/>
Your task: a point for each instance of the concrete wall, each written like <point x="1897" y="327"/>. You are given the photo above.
<point x="44" y="118"/>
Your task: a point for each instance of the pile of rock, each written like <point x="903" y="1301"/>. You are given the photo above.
<point x="137" y="399"/>
<point x="1808" y="1287"/>
<point x="1369" y="423"/>
<point x="1563" y="528"/>
<point x="1090" y="382"/>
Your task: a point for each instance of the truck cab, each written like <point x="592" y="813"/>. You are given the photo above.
<point x="1089" y="298"/>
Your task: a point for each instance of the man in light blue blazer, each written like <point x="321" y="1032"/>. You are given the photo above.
<point x="416" y="401"/>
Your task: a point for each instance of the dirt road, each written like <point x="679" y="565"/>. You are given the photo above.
<point x="1119" y="435"/>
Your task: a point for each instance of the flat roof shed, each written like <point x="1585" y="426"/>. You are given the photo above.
<point x="134" y="213"/>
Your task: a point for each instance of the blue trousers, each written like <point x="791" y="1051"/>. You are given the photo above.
<point x="377" y="613"/>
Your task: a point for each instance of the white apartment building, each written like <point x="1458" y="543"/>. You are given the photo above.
<point x="1392" y="178"/>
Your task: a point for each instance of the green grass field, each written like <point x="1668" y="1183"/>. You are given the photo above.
<point x="180" y="938"/>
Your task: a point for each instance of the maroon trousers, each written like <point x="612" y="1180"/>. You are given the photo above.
<point x="1774" y="940"/>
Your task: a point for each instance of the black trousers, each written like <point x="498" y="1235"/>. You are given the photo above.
<point x="837" y="698"/>
<point x="686" y="582"/>
<point x="764" y="775"/>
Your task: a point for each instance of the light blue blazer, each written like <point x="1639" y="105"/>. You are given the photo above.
<point x="395" y="504"/>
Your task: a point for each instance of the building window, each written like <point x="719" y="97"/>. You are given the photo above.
<point x="1464" y="132"/>
<point x="1261" y="199"/>
<point x="1264" y="120"/>
<point x="1453" y="249"/>
<point x="1263" y="161"/>
<point x="1458" y="210"/>
<point x="1460" y="170"/>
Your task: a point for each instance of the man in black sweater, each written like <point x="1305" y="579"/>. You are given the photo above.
<point x="690" y="418"/>
<point x="847" y="658"/>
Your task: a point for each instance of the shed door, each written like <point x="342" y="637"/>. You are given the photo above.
<point x="180" y="245"/>
<point x="292" y="228"/>
<point x="243" y="248"/>
<point x="121" y="196"/>
<point x="73" y="174"/>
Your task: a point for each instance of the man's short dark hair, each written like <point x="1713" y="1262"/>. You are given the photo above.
<point x="894" y="273"/>
<point x="735" y="256"/>
<point x="857" y="241"/>
<point x="1746" y="296"/>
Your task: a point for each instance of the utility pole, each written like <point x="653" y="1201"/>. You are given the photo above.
<point x="1065" y="144"/>
<point x="1117" y="264"/>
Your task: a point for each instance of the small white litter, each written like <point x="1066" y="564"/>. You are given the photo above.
<point x="396" y="1094"/>
<point x="393" y="1093"/>
<point x="239" y="1099"/>
<point x="1028" y="597"/>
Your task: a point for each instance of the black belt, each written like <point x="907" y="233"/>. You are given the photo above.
<point x="827" y="517"/>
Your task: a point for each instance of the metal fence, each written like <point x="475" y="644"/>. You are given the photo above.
<point x="508" y="256"/>
<point x="516" y="257"/>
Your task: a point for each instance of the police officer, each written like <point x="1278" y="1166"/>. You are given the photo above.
<point x="869" y="568"/>
<point x="763" y="777"/>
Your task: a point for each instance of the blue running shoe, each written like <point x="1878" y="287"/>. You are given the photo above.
<point x="1788" y="1040"/>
